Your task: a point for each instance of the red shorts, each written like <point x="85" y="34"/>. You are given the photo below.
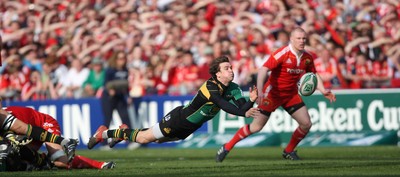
<point x="271" y="102"/>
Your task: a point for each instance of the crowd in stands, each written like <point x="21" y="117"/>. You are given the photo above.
<point x="56" y="49"/>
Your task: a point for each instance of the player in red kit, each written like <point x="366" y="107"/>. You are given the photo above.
<point x="287" y="65"/>
<point x="55" y="151"/>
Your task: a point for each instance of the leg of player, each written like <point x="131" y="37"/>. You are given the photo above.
<point x="10" y="122"/>
<point x="256" y="125"/>
<point x="81" y="162"/>
<point x="303" y="119"/>
<point x="60" y="160"/>
<point x="142" y="136"/>
<point x="115" y="141"/>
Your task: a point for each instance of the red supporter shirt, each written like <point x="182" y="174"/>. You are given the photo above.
<point x="325" y="69"/>
<point x="27" y="87"/>
<point x="361" y="71"/>
<point x="381" y="69"/>
<point x="13" y="81"/>
<point x="286" y="70"/>
<point x="182" y="74"/>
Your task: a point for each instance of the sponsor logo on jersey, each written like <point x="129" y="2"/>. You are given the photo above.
<point x="308" y="61"/>
<point x="47" y="125"/>
<point x="43" y="136"/>
<point x="167" y="130"/>
<point x="288" y="61"/>
<point x="294" y="71"/>
<point x="266" y="102"/>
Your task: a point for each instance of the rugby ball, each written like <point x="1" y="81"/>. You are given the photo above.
<point x="307" y="84"/>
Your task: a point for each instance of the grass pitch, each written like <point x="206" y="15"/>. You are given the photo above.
<point x="241" y="162"/>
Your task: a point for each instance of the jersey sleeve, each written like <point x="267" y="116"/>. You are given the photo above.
<point x="235" y="91"/>
<point x="239" y="99"/>
<point x="273" y="62"/>
<point x="217" y="99"/>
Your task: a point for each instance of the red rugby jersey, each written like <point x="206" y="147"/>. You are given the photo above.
<point x="29" y="115"/>
<point x="286" y="70"/>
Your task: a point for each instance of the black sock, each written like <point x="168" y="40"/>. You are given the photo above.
<point x="40" y="134"/>
<point x="126" y="134"/>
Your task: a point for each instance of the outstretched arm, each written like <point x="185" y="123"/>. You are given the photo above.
<point x="246" y="105"/>
<point x="327" y="93"/>
<point x="231" y="108"/>
<point x="261" y="78"/>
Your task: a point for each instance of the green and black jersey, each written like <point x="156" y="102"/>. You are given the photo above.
<point x="209" y="100"/>
<point x="213" y="96"/>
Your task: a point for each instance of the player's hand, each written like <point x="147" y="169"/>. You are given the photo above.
<point x="329" y="95"/>
<point x="260" y="98"/>
<point x="253" y="93"/>
<point x="252" y="112"/>
<point x="24" y="141"/>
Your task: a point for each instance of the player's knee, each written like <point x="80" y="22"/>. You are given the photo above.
<point x="144" y="137"/>
<point x="306" y="126"/>
<point x="143" y="141"/>
<point x="255" y="128"/>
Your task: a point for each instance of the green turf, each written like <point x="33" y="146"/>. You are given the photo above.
<point x="241" y="162"/>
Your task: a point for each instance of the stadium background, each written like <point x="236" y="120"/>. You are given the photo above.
<point x="50" y="47"/>
<point x="366" y="118"/>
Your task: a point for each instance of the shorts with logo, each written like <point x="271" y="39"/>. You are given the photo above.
<point x="175" y="125"/>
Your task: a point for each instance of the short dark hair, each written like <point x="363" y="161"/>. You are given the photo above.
<point x="214" y="66"/>
<point x="297" y="29"/>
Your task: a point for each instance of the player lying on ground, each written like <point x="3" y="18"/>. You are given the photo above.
<point x="15" y="155"/>
<point x="55" y="151"/>
<point x="212" y="96"/>
<point x="10" y="122"/>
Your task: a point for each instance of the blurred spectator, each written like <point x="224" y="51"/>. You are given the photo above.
<point x="136" y="82"/>
<point x="13" y="79"/>
<point x="71" y="86"/>
<point x="32" y="90"/>
<point x="56" y="32"/>
<point x="48" y="87"/>
<point x="206" y="58"/>
<point x="327" y="69"/>
<point x="157" y="79"/>
<point x="340" y="59"/>
<point x="93" y="85"/>
<point x="382" y="72"/>
<point x="116" y="89"/>
<point x="244" y="69"/>
<point x="361" y="72"/>
<point x="183" y="74"/>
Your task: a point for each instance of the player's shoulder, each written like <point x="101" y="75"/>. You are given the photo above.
<point x="281" y="52"/>
<point x="211" y="82"/>
<point x="233" y="85"/>
<point x="308" y="54"/>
